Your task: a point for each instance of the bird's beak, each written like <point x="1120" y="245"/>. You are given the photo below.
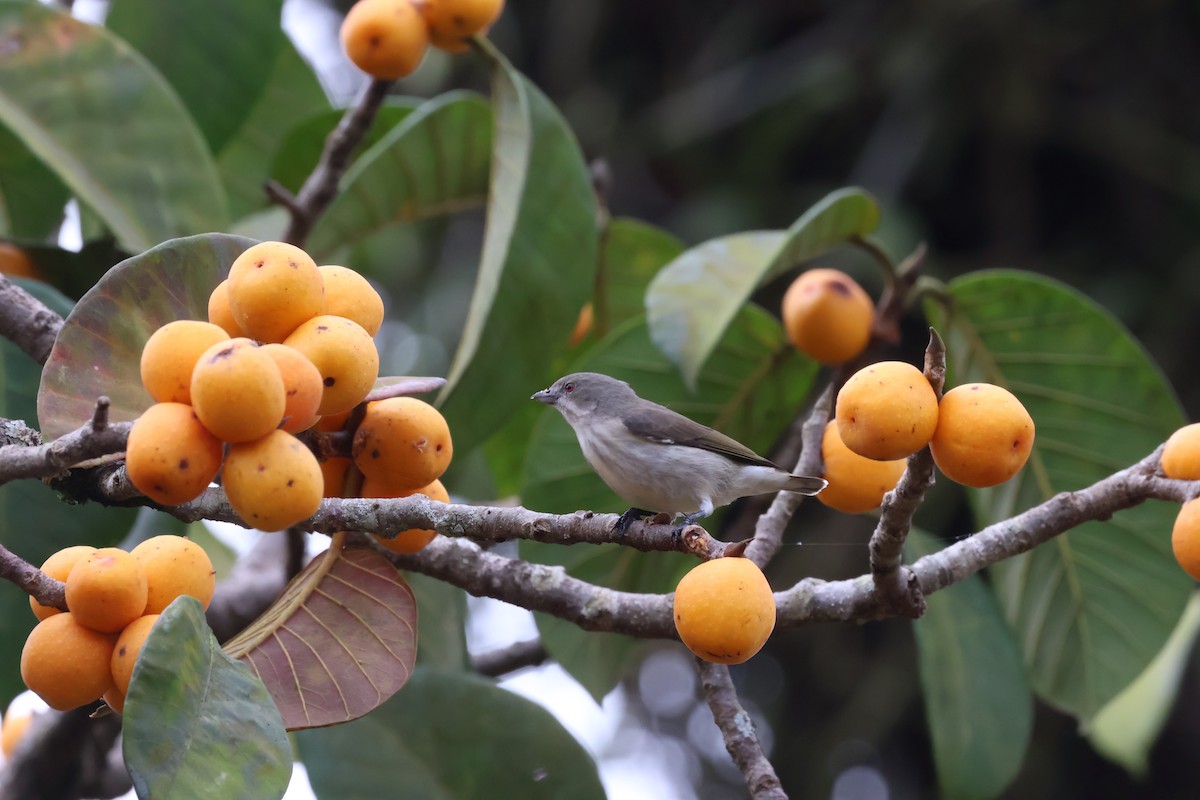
<point x="544" y="396"/>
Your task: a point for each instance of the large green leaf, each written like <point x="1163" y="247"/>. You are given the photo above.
<point x="1091" y="607"/>
<point x="222" y="64"/>
<point x="434" y="162"/>
<point x="537" y="265"/>
<point x="449" y="736"/>
<point x="197" y="723"/>
<point x="751" y="389"/>
<point x="339" y="641"/>
<point x="301" y="149"/>
<point x="34" y="521"/>
<point x="108" y="125"/>
<point x="631" y="254"/>
<point x="290" y="95"/>
<point x="442" y="622"/>
<point x="977" y="700"/>
<point x="695" y="297"/>
<point x="1127" y="728"/>
<point x="31" y="196"/>
<point x="99" y="350"/>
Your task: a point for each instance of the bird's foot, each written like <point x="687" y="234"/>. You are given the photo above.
<point x="688" y="519"/>
<point x="628" y="518"/>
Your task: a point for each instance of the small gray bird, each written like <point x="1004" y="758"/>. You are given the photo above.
<point x="658" y="460"/>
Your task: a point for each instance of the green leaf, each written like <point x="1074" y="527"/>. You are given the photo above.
<point x="1127" y="728"/>
<point x="695" y="297"/>
<point x="32" y="197"/>
<point x="750" y="389"/>
<point x="34" y="521"/>
<point x="197" y="723"/>
<point x="99" y="349"/>
<point x="449" y="735"/>
<point x="631" y="254"/>
<point x="1092" y="607"/>
<point x="442" y="622"/>
<point x="537" y="266"/>
<point x="977" y="699"/>
<point x="220" y="67"/>
<point x="291" y="94"/>
<point x="108" y="125"/>
<point x="339" y="641"/>
<point x="300" y="150"/>
<point x="434" y="162"/>
<point x="75" y="272"/>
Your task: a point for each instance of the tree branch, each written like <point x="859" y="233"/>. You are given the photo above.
<point x="741" y="740"/>
<point x="494" y="663"/>
<point x="321" y="186"/>
<point x="768" y="531"/>
<point x="901" y="504"/>
<point x="27" y="322"/>
<point x="92" y="440"/>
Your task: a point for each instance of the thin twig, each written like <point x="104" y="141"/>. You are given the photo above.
<point x="321" y="186"/>
<point x="26" y="321"/>
<point x="39" y="585"/>
<point x="502" y="661"/>
<point x="768" y="531"/>
<point x="741" y="739"/>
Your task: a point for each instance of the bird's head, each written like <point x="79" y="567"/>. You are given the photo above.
<point x="585" y="393"/>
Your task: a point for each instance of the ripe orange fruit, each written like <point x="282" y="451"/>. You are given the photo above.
<point x="1181" y="455"/>
<point x="273" y="482"/>
<point x="273" y="287"/>
<point x="106" y="590"/>
<point x="458" y="19"/>
<point x="237" y="391"/>
<point x="350" y="295"/>
<point x="58" y="566"/>
<point x="984" y="435"/>
<point x="333" y="471"/>
<point x="583" y="325"/>
<point x="887" y="411"/>
<point x="403" y="443"/>
<point x="67" y="664"/>
<point x="128" y="648"/>
<point x="345" y="355"/>
<point x="15" y="725"/>
<point x="174" y="566"/>
<point x="170" y="355"/>
<point x="385" y="38"/>
<point x="828" y="315"/>
<point x="724" y="610"/>
<point x="412" y="540"/>
<point x="302" y="387"/>
<point x="219" y="312"/>
<point x="170" y="456"/>
<point x="856" y="484"/>
<point x="1185" y="538"/>
<point x="16" y="262"/>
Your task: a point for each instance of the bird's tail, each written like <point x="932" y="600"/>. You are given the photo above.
<point x="803" y="484"/>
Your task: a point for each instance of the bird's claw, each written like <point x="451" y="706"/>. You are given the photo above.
<point x="628" y="518"/>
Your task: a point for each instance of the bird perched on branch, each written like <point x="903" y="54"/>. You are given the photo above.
<point x="658" y="460"/>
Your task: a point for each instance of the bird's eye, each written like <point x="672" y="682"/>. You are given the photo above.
<point x="570" y="387"/>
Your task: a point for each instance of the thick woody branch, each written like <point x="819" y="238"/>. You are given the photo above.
<point x="321" y="186"/>
<point x="27" y="322"/>
<point x="901" y="504"/>
<point x="39" y="585"/>
<point x="741" y="739"/>
<point x="538" y="587"/>
<point x="97" y="438"/>
<point x="768" y="531"/>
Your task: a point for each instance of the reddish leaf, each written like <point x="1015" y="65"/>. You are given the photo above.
<point x="99" y="350"/>
<point x="340" y="640"/>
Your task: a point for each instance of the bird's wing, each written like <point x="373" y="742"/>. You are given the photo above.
<point x="668" y="427"/>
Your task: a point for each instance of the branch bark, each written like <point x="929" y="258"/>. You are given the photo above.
<point x="27" y="322"/>
<point x="741" y="739"/>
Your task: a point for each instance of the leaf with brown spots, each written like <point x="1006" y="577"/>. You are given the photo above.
<point x="340" y="640"/>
